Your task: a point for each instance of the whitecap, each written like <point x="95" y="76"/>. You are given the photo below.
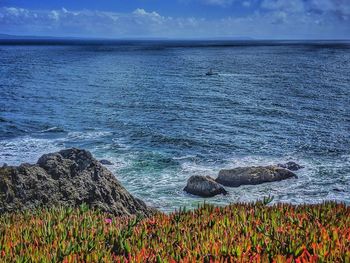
<point x="25" y="149"/>
<point x="53" y="129"/>
<point x="87" y="135"/>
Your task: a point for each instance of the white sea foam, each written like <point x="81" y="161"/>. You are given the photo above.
<point x="53" y="129"/>
<point x="87" y="135"/>
<point x="25" y="149"/>
<point x="163" y="187"/>
<point x="308" y="188"/>
<point x="28" y="149"/>
<point x="185" y="157"/>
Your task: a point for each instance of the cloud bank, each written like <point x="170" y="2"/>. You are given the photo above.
<point x="281" y="19"/>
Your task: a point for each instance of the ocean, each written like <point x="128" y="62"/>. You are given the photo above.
<point x="148" y="107"/>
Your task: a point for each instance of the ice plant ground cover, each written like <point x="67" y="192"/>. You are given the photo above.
<point x="244" y="232"/>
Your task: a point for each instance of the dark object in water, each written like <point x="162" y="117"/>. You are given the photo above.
<point x="292" y="166"/>
<point x="106" y="162"/>
<point x="211" y="73"/>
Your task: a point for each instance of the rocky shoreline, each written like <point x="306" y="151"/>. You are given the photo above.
<point x="66" y="178"/>
<point x="205" y="186"/>
<point x="73" y="177"/>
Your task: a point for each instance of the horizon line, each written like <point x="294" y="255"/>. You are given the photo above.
<point x="155" y="38"/>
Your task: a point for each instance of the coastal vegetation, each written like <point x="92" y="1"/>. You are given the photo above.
<point x="242" y="232"/>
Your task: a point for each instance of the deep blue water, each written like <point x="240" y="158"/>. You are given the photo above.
<point x="149" y="108"/>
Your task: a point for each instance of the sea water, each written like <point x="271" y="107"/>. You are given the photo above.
<point x="148" y="107"/>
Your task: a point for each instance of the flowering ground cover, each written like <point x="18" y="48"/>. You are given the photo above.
<point x="243" y="232"/>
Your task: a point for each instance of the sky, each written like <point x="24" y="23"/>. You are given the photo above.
<point x="177" y="19"/>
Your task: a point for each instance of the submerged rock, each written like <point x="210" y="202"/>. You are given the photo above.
<point x="67" y="178"/>
<point x="204" y="186"/>
<point x="106" y="162"/>
<point x="293" y="166"/>
<point x="253" y="175"/>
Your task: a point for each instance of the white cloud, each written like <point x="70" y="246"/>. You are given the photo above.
<point x="277" y="21"/>
<point x="55" y="15"/>
<point x="16" y="11"/>
<point x="144" y="15"/>
<point x="140" y="11"/>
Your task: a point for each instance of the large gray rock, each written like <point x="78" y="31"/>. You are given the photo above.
<point x="67" y="178"/>
<point x="293" y="166"/>
<point x="204" y="186"/>
<point x="253" y="175"/>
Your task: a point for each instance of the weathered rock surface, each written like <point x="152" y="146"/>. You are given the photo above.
<point x="68" y="178"/>
<point x="204" y="186"/>
<point x="293" y="166"/>
<point x="253" y="175"/>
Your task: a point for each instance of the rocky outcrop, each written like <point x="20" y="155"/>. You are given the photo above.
<point x="66" y="178"/>
<point x="204" y="186"/>
<point x="106" y="162"/>
<point x="292" y="166"/>
<point x="253" y="175"/>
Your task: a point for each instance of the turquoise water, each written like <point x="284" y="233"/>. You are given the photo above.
<point x="149" y="108"/>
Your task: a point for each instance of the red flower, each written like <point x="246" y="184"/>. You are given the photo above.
<point x="108" y="221"/>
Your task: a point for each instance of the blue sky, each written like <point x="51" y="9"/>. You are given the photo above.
<point x="260" y="19"/>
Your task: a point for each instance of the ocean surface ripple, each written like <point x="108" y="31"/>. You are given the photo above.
<point x="150" y="109"/>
